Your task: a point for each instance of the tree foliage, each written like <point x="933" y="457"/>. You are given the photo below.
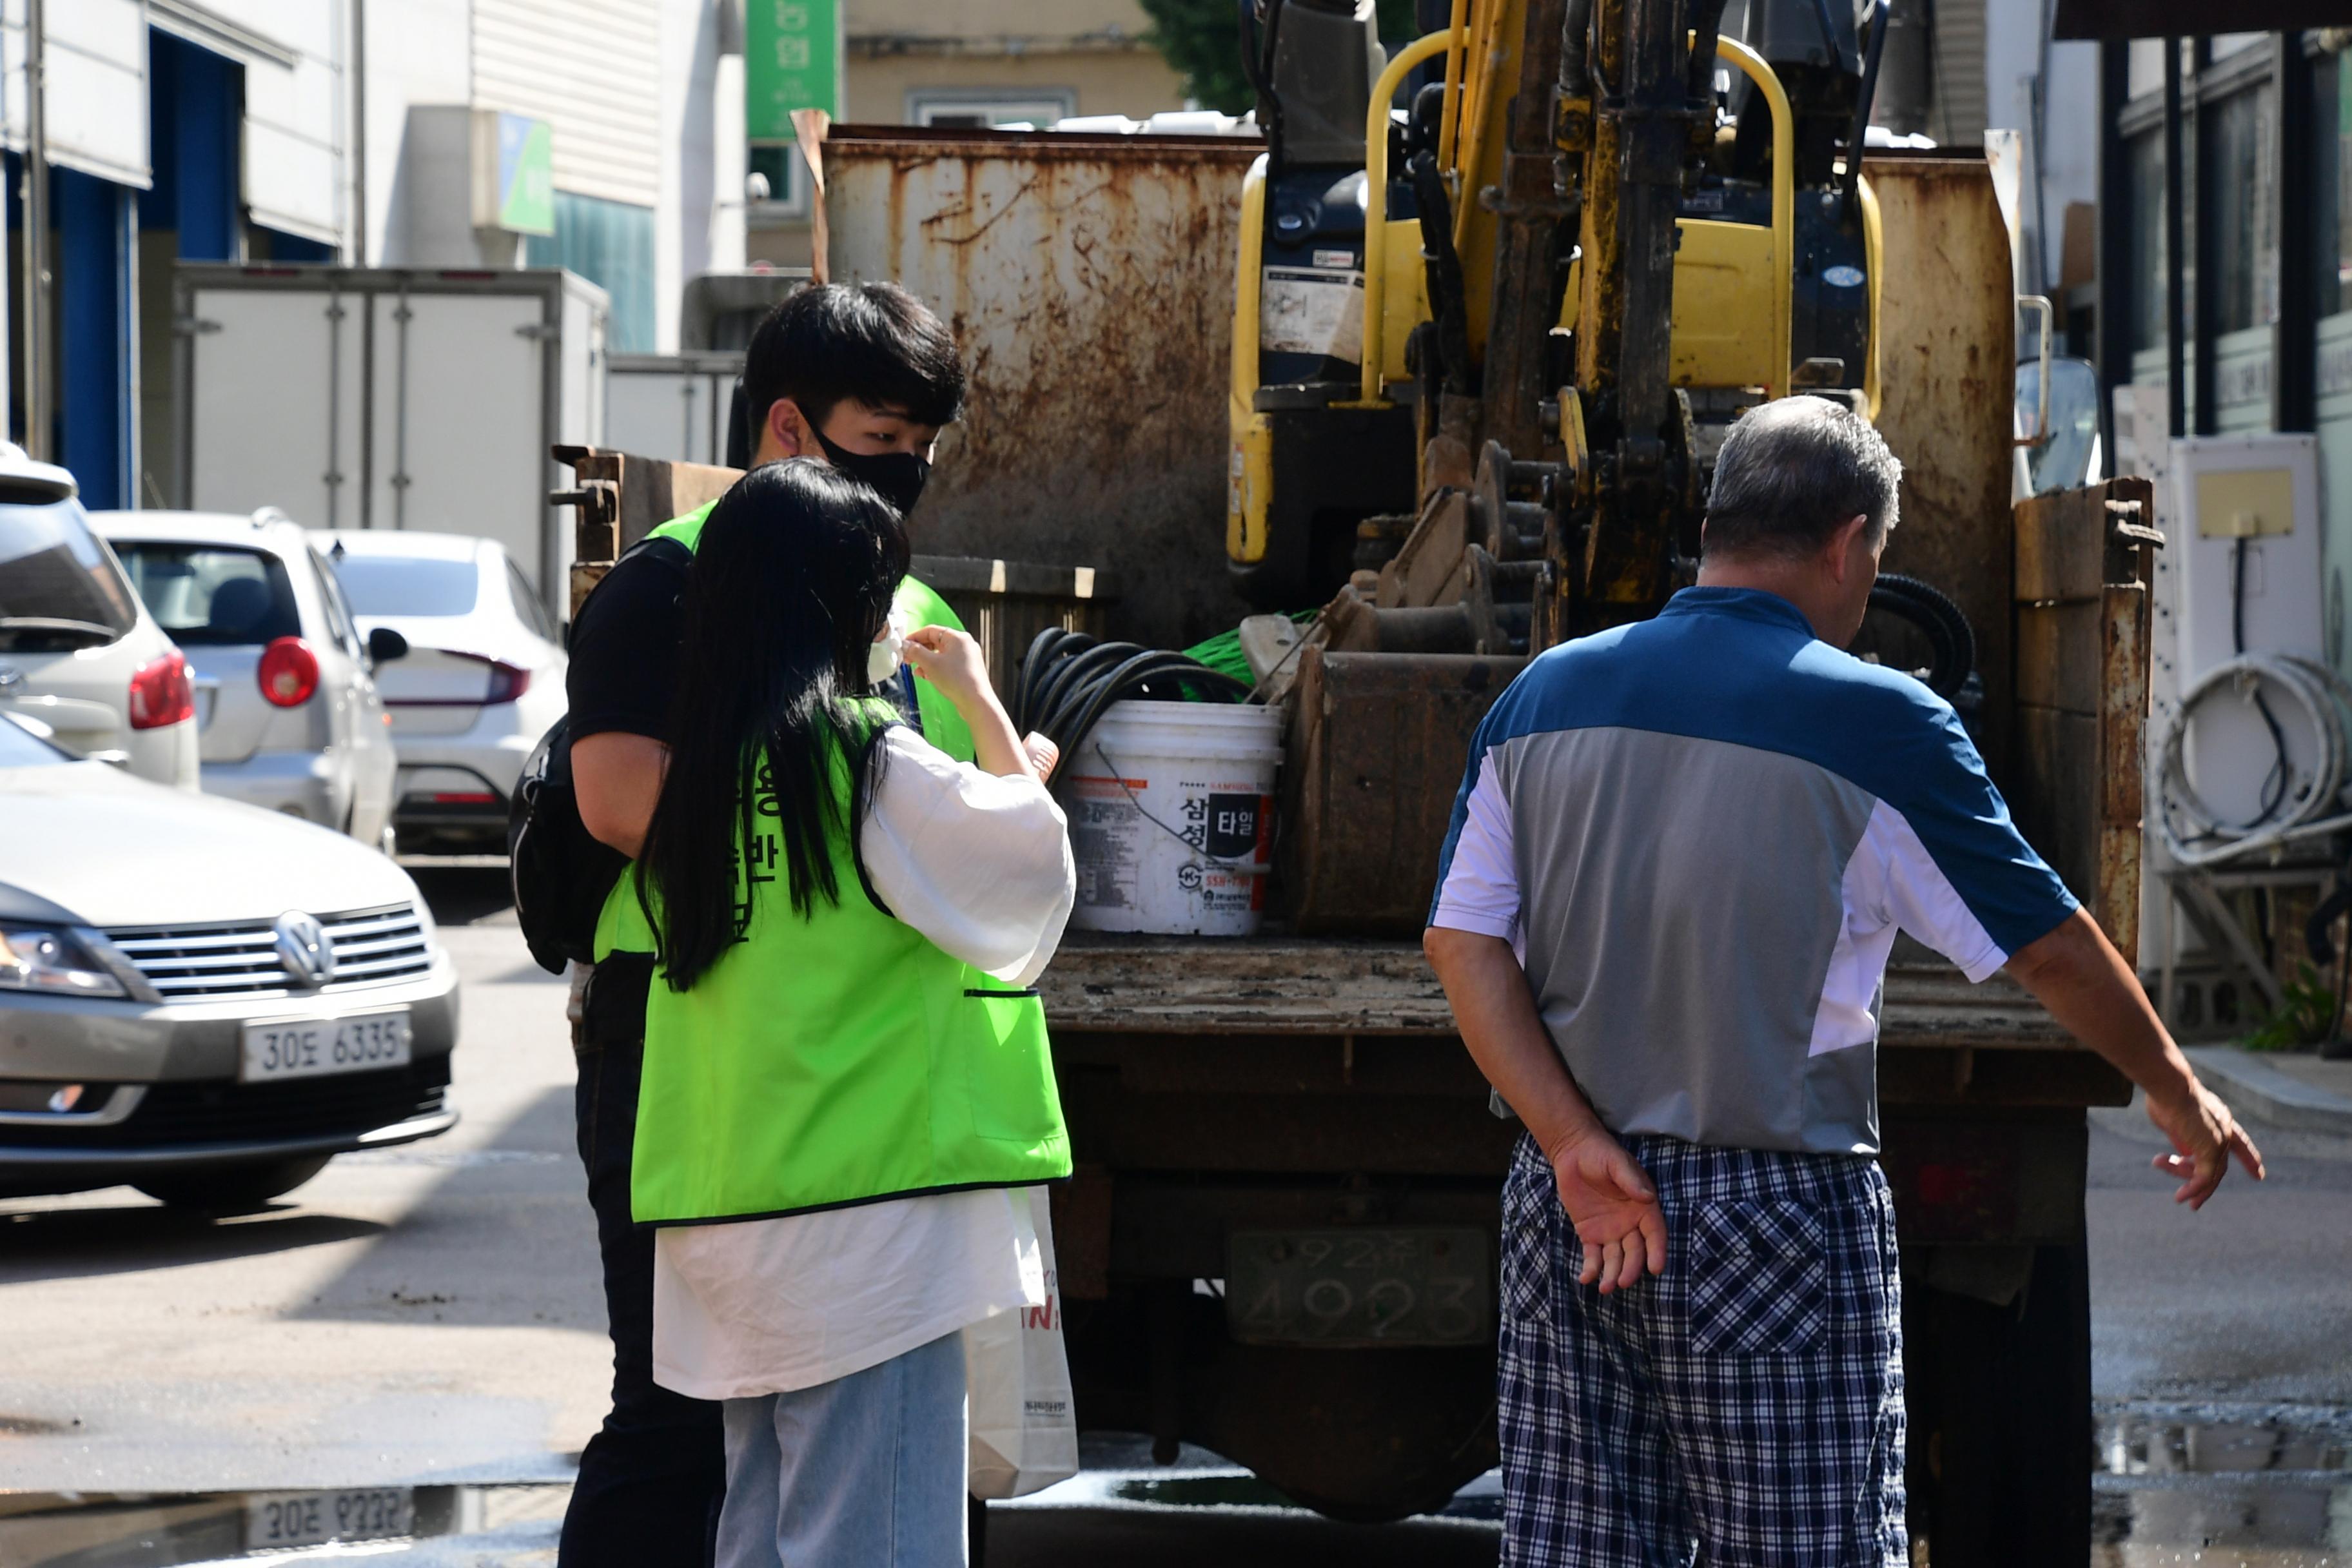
<point x="1201" y="40"/>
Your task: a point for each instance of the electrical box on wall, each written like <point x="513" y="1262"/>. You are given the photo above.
<point x="2245" y="559"/>
<point x="2245" y="547"/>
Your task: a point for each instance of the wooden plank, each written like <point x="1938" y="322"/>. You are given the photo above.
<point x="1172" y="988"/>
<point x="692" y="484"/>
<point x="2083" y="639"/>
<point x="2123" y="740"/>
<point x="2061" y="547"/>
<point x="2056" y="795"/>
<point x="2061" y="652"/>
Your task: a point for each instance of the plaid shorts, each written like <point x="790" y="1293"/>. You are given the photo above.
<point x="1743" y="1408"/>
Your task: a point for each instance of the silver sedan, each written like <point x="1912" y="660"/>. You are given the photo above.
<point x="286" y="710"/>
<point x="198" y="998"/>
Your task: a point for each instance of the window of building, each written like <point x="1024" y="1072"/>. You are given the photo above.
<point x="611" y="244"/>
<point x="2331" y="182"/>
<point x="985" y="111"/>
<point x="779" y="163"/>
<point x="2245" y="213"/>
<point x="2147" y="257"/>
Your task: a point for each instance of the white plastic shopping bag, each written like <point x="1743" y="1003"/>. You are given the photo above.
<point x="1024" y="1428"/>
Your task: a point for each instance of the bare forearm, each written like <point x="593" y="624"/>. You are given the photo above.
<point x="1497" y="1014"/>
<point x="616" y="778"/>
<point x="2076" y="973"/>
<point x="995" y="749"/>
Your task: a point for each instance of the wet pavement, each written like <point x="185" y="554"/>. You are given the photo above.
<point x="2221" y="1487"/>
<point x="413" y="1341"/>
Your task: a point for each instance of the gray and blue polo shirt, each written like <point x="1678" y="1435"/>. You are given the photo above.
<point x="1701" y="833"/>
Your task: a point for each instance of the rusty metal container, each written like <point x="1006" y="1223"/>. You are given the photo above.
<point x="1090" y="282"/>
<point x="1948" y="356"/>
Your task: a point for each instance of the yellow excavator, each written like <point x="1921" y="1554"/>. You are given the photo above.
<point x="1495" y="307"/>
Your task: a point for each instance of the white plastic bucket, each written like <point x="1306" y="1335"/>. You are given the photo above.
<point x="1172" y="817"/>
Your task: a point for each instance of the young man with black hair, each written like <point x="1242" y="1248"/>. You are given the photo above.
<point x="862" y="377"/>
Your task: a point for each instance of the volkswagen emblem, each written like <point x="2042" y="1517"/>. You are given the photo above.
<point x="11" y="678"/>
<point x="303" y="949"/>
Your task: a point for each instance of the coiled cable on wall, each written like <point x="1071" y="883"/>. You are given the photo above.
<point x="1069" y="679"/>
<point x="2297" y="804"/>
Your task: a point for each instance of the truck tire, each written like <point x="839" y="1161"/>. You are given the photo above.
<point x="233" y="1189"/>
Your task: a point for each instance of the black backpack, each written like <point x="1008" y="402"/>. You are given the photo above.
<point x="560" y="873"/>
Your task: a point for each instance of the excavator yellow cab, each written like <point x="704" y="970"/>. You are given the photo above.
<point x="1365" y="295"/>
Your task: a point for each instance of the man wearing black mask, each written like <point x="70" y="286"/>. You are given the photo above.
<point x="862" y="377"/>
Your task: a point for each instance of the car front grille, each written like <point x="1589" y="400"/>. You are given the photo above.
<point x="173" y="1115"/>
<point x="229" y="962"/>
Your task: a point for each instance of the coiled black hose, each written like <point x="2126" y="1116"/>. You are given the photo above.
<point x="1069" y="679"/>
<point x="1952" y="643"/>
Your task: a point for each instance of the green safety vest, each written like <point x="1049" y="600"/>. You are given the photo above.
<point x="621" y="925"/>
<point x="837" y="1059"/>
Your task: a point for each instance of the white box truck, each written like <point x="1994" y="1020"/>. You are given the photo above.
<point x="673" y="406"/>
<point x="383" y="397"/>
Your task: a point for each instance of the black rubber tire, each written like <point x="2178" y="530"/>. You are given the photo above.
<point x="234" y="1189"/>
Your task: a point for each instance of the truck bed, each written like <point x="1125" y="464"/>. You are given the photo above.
<point x="1943" y="1041"/>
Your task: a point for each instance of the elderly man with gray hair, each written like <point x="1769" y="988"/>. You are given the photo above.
<point x="1677" y="864"/>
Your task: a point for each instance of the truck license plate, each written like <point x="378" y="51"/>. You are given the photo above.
<point x="1417" y="1286"/>
<point x="313" y="1518"/>
<point x="308" y="1047"/>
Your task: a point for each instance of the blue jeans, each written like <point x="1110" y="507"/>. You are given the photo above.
<point x="866" y="1471"/>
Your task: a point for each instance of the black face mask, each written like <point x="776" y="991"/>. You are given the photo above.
<point x="897" y="477"/>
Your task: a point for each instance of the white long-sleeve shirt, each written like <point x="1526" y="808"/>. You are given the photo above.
<point x="982" y="865"/>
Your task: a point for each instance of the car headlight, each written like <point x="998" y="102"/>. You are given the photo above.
<point x="52" y="959"/>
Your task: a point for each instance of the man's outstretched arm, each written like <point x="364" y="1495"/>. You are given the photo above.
<point x="2076" y="973"/>
<point x="1603" y="1188"/>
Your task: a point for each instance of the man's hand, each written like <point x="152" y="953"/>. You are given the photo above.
<point x="1604" y="1189"/>
<point x="2076" y="972"/>
<point x="2207" y="1136"/>
<point x="1615" y="1208"/>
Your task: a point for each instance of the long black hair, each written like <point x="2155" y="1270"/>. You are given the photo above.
<point x="792" y="582"/>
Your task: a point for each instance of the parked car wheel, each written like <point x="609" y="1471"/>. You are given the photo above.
<point x="234" y="1188"/>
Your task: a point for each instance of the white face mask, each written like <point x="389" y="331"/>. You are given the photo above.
<point x="882" y="659"/>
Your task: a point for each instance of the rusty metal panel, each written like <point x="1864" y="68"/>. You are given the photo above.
<point x="1948" y="335"/>
<point x="1089" y="281"/>
<point x="2083" y="616"/>
<point x="1376" y="747"/>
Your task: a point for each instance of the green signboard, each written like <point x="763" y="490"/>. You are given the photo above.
<point x="526" y="175"/>
<point x="791" y="60"/>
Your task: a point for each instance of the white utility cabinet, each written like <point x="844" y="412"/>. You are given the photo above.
<point x="2244" y="552"/>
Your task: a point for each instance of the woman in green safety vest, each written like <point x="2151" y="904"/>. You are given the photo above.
<point x="845" y="1077"/>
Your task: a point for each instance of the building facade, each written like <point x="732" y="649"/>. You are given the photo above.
<point x="969" y="64"/>
<point x="601" y="135"/>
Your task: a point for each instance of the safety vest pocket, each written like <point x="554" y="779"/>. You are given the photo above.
<point x="1008" y="1069"/>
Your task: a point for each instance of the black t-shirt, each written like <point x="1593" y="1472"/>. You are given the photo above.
<point x="625" y="644"/>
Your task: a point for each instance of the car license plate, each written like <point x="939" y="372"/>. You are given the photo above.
<point x="313" y="1518"/>
<point x="1358" y="1286"/>
<point x="308" y="1047"/>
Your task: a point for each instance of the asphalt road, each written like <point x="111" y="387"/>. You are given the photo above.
<point x="431" y="1314"/>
